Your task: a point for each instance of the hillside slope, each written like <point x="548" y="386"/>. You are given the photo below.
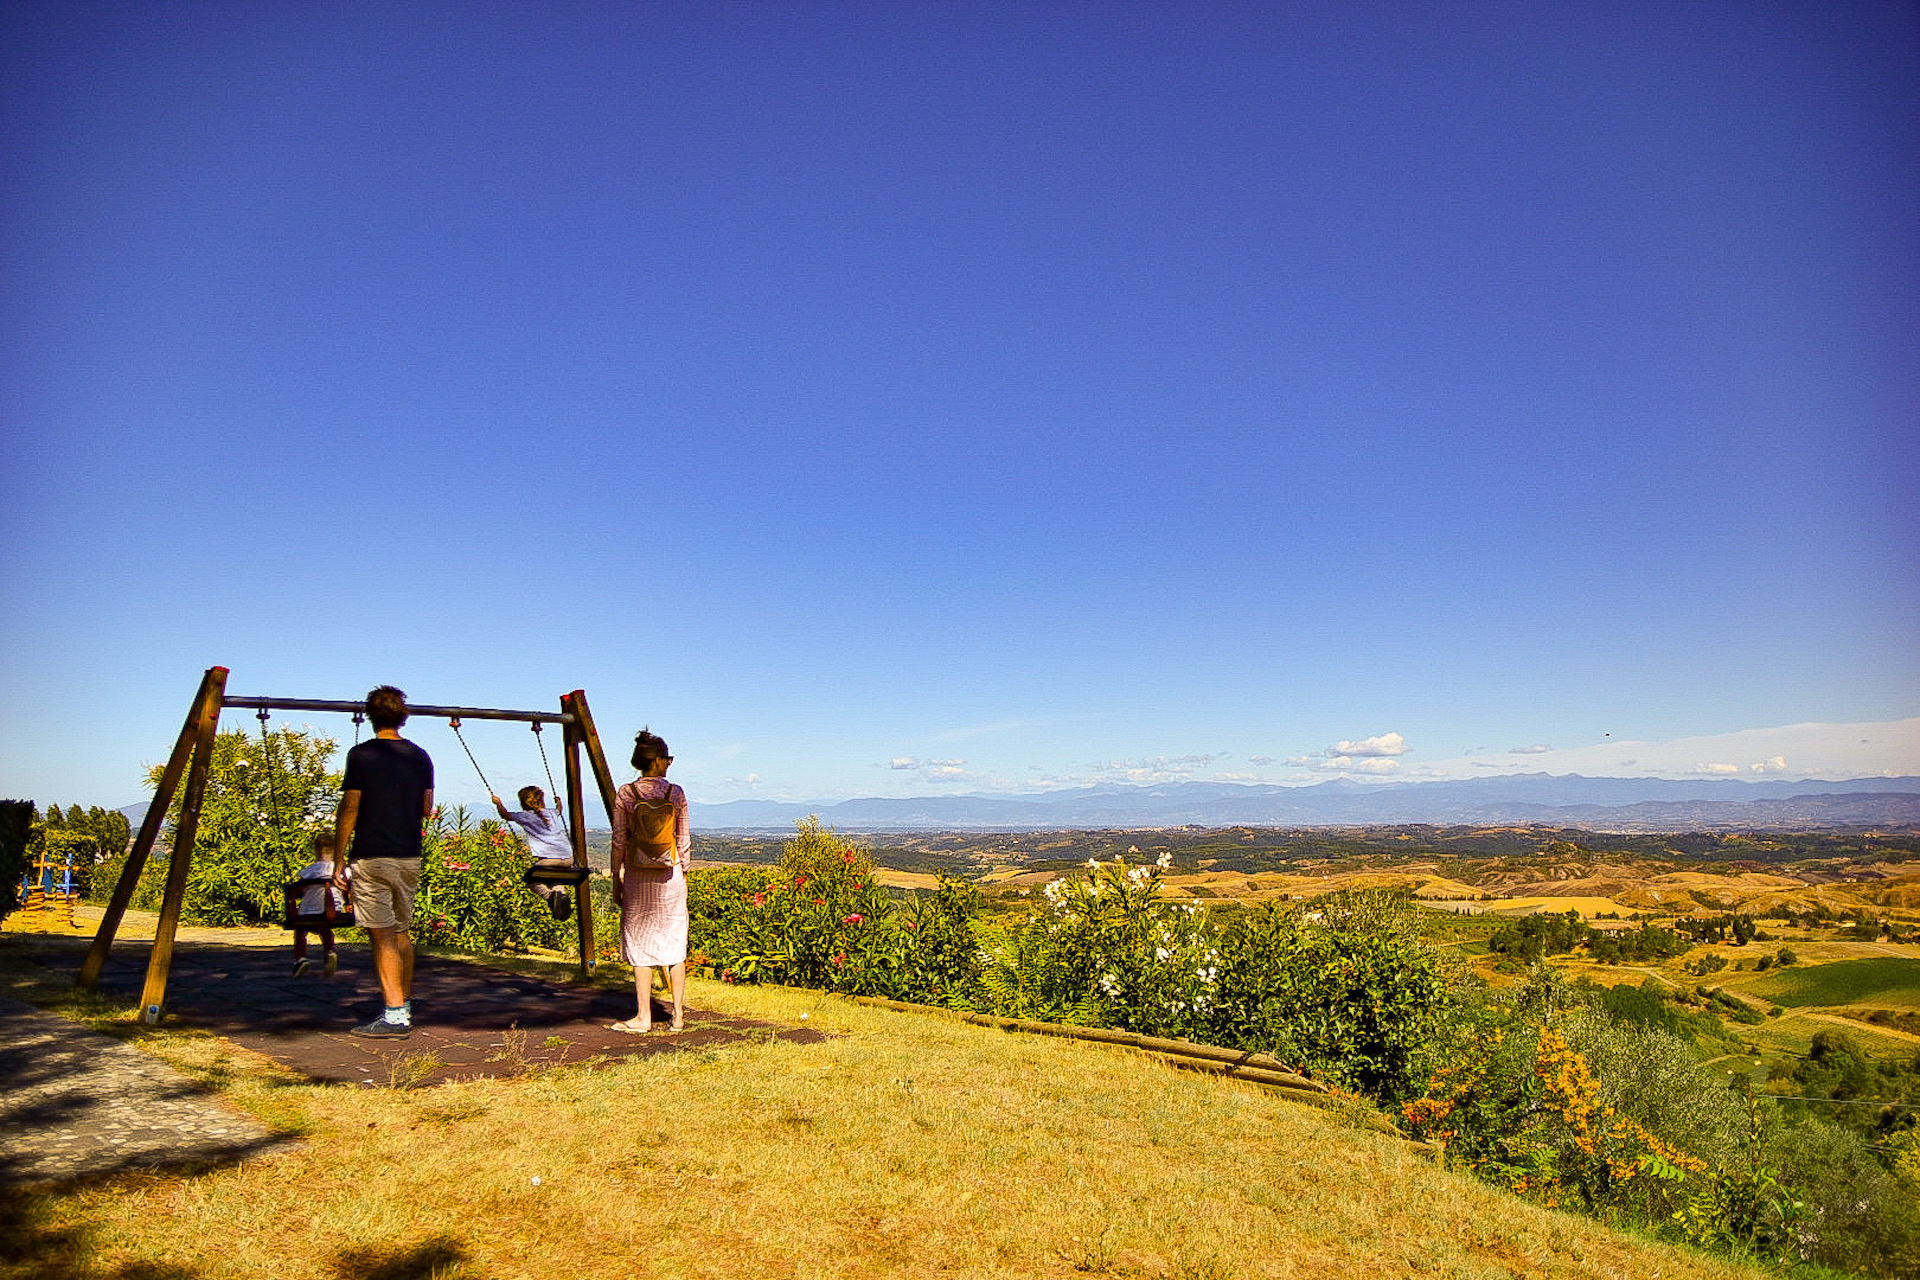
<point x="904" y="1146"/>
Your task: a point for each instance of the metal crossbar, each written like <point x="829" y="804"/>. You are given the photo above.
<point x="444" y="713"/>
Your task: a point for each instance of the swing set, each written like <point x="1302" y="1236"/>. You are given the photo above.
<point x="193" y="755"/>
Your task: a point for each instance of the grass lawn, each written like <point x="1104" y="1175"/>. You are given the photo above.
<point x="907" y="1145"/>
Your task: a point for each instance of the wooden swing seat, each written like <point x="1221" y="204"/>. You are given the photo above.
<point x="566" y="875"/>
<point x="331" y="917"/>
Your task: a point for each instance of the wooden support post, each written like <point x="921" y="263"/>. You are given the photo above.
<point x="154" y="995"/>
<point x="583" y="892"/>
<point x="581" y="733"/>
<point x="205" y="703"/>
<point x="590" y="738"/>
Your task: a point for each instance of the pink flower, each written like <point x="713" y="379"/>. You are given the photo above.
<point x="759" y="899"/>
<point x="839" y="959"/>
<point x="855" y="918"/>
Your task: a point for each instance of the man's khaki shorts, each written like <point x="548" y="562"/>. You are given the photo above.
<point x="383" y="890"/>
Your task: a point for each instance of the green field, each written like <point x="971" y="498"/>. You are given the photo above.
<point x="1881" y="982"/>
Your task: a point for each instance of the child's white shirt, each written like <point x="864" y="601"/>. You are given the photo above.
<point x="311" y="901"/>
<point x="546" y="834"/>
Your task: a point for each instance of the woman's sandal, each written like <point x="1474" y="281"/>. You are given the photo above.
<point x="629" y="1027"/>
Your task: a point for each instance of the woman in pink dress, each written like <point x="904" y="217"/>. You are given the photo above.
<point x="651" y="844"/>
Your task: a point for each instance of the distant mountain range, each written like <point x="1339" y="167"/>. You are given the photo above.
<point x="1565" y="800"/>
<point x="1606" y="804"/>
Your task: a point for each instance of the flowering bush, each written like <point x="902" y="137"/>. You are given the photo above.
<point x="819" y="919"/>
<point x="1516" y="1097"/>
<point x="1342" y="987"/>
<point x="1526" y="1111"/>
<point x="471" y="894"/>
<point x="1105" y="949"/>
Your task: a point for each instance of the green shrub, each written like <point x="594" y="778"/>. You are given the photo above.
<point x="264" y="799"/>
<point x="1342" y="985"/>
<point x="1107" y="950"/>
<point x="818" y="920"/>
<point x="472" y="896"/>
<point x="1854" y="1214"/>
<point x="943" y="958"/>
<point x="16" y="827"/>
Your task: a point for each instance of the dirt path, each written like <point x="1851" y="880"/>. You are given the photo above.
<point x="1892" y="1033"/>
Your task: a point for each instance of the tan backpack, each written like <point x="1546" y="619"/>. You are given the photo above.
<point x="651" y="829"/>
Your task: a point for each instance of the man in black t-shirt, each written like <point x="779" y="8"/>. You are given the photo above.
<point x="386" y="795"/>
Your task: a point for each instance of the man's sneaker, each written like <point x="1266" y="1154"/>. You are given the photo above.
<point x="561" y="904"/>
<point x="299" y="966"/>
<point x="381" y="1029"/>
<point x="333" y="962"/>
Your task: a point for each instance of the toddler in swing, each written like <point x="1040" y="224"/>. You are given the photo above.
<point x="313" y="903"/>
<point x="546" y="834"/>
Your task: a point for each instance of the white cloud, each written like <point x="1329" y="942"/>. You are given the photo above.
<point x="1387" y="744"/>
<point x="1715" y="770"/>
<point x="1355" y="764"/>
<point x="1261" y="761"/>
<point x="1538" y="748"/>
<point x="1776" y="765"/>
<point x="940" y="770"/>
<point x="1365" y="755"/>
<point x="1151" y="769"/>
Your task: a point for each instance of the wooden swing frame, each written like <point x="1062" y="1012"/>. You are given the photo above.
<point x="193" y="756"/>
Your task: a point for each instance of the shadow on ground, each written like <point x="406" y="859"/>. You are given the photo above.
<point x="470" y="1018"/>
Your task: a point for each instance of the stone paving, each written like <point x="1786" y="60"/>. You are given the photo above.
<point x="78" y="1103"/>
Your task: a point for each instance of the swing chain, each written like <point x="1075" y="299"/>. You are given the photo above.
<point x="273" y="794"/>
<point x="454" y="724"/>
<point x="541" y="742"/>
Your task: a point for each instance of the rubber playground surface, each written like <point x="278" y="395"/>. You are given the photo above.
<point x="469" y="1018"/>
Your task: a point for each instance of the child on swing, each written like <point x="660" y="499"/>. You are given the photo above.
<point x="313" y="902"/>
<point x="547" y="837"/>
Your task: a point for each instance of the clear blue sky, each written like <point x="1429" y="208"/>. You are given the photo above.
<point x="897" y="399"/>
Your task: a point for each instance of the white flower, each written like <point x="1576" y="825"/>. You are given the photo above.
<point x="1164" y="861"/>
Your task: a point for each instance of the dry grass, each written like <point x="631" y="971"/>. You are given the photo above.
<point x="906" y="1145"/>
